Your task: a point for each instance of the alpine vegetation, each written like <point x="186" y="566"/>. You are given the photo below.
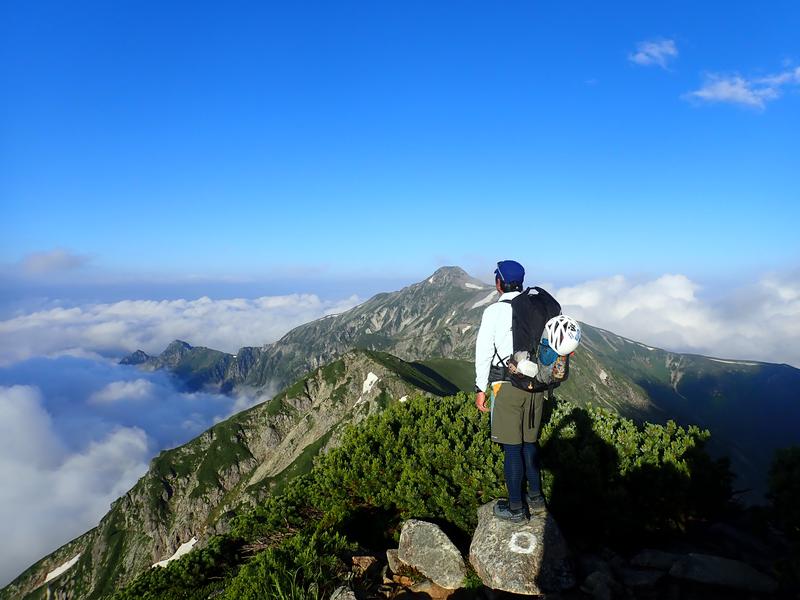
<point x="432" y="459"/>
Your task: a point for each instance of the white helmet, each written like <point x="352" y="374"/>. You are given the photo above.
<point x="563" y="334"/>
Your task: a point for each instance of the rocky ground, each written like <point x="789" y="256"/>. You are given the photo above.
<point x="507" y="560"/>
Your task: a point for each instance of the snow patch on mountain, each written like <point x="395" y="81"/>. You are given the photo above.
<point x="472" y="286"/>
<point x="366" y="387"/>
<point x="486" y="300"/>
<point x="369" y="382"/>
<point x="59" y="570"/>
<point x="734" y="362"/>
<point x="182" y="549"/>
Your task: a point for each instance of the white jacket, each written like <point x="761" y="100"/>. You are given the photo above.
<point x="495" y="332"/>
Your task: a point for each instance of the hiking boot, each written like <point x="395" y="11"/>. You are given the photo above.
<point x="536" y="504"/>
<point x="502" y="510"/>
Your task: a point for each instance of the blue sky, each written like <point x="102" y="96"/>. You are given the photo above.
<point x="221" y="172"/>
<point x="341" y="141"/>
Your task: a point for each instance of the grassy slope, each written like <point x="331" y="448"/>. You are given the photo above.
<point x="437" y="376"/>
<point x="460" y="372"/>
<point x="417" y="374"/>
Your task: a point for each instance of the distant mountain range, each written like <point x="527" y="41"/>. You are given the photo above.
<point x="434" y="318"/>
<point x="751" y="407"/>
<point x="337" y="370"/>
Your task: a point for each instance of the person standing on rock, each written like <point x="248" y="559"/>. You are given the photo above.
<point x="516" y="415"/>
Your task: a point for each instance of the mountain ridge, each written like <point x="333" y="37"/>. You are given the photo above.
<point x="440" y="315"/>
<point x="414" y="322"/>
<point x="423" y="321"/>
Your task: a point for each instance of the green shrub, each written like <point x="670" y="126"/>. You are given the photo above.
<point x="609" y="480"/>
<point x="306" y="566"/>
<point x="192" y="577"/>
<point x="423" y="458"/>
<point x="287" y="511"/>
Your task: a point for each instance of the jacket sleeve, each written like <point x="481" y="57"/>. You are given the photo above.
<point x="484" y="350"/>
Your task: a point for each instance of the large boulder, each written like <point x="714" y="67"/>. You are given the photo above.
<point x="523" y="558"/>
<point x="425" y="547"/>
<point x="655" y="559"/>
<point x="394" y="563"/>
<point x="715" y="570"/>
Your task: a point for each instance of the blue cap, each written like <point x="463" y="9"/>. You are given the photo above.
<point x="510" y="271"/>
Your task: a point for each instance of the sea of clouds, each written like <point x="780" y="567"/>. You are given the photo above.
<point x="118" y="328"/>
<point x="77" y="429"/>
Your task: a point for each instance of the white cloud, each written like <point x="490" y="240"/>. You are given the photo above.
<point x="759" y="322"/>
<point x="138" y="389"/>
<point x="32" y="441"/>
<point x="752" y="92"/>
<point x="51" y="495"/>
<point x="122" y="327"/>
<point x="654" y="52"/>
<point x="40" y="263"/>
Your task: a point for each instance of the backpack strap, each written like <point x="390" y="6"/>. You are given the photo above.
<point x="532" y="414"/>
<point x="500" y="358"/>
<point x="503" y="365"/>
<point x="496" y="353"/>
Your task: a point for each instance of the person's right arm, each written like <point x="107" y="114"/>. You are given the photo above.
<point x="484" y="350"/>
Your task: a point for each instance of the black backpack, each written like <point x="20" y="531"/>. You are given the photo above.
<point x="530" y="311"/>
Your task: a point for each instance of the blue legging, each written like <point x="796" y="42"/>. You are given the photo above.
<point x="521" y="462"/>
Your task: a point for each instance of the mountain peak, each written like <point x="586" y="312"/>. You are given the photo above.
<point x="454" y="277"/>
<point x="176" y="347"/>
<point x="450" y="271"/>
<point x="179" y="344"/>
<point x="137" y="358"/>
<point x="449" y="275"/>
